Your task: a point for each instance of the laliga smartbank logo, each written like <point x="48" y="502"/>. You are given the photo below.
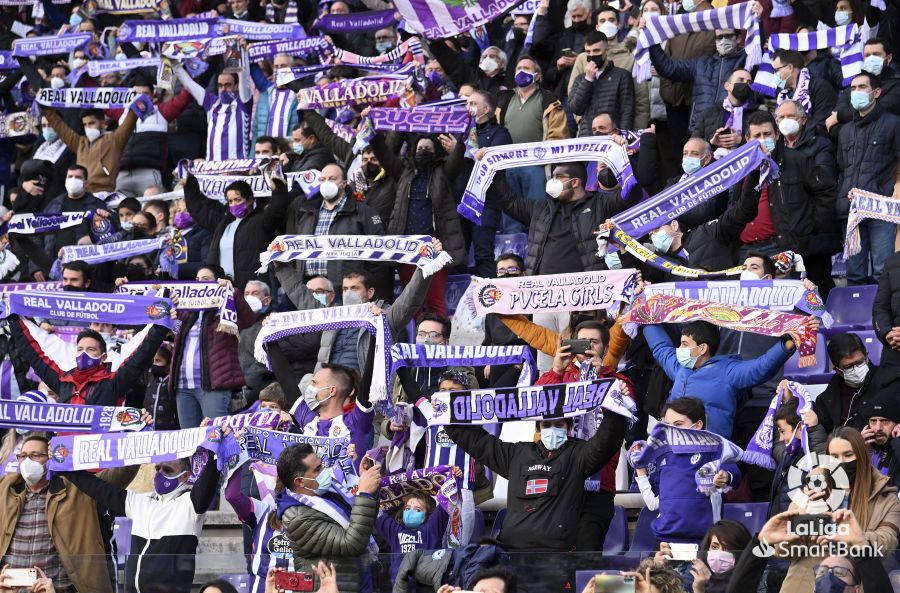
<point x="818" y="485"/>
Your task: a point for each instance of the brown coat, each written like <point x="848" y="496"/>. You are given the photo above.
<point x="686" y="47"/>
<point x="73" y="523"/>
<point x="103" y="157"/>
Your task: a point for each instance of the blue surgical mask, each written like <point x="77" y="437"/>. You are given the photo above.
<point x="554" y="437"/>
<point x="860" y="100"/>
<point x="684" y="357"/>
<point x="691" y="164"/>
<point x="779" y="81"/>
<point x="75" y="19"/>
<point x="841" y="17"/>
<point x="298" y="148"/>
<point x="769" y="143"/>
<point x="322" y="298"/>
<point x="873" y="65"/>
<point x="49" y="135"/>
<point x="613" y="261"/>
<point x="323" y="479"/>
<point x="413" y="519"/>
<point x="662" y="241"/>
<point x="384" y="46"/>
<point x="689" y="5"/>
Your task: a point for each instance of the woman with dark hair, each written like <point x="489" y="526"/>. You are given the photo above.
<point x="720" y="549"/>
<point x="218" y="586"/>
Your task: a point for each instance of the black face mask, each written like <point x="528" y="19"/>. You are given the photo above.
<point x="159" y="371"/>
<point x="424" y="157"/>
<point x="71" y="288"/>
<point x="519" y="34"/>
<point x="580" y="27"/>
<point x="371" y="171"/>
<point x="741" y="91"/>
<point x="607" y="179"/>
<point x="600" y="61"/>
<point x="850" y="470"/>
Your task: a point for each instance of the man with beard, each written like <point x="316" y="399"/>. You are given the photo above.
<point x="883" y="415"/>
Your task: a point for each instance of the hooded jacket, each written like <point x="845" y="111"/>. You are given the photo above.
<point x="719" y="381"/>
<point x="99" y="386"/>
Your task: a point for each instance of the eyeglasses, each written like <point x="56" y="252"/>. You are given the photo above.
<point x="728" y="36"/>
<point x="321" y="291"/>
<point x="432" y="335"/>
<point x="508" y="270"/>
<point x="782" y="66"/>
<point x="854" y="365"/>
<point x="561" y="177"/>
<point x="20" y="457"/>
<point x="838" y="571"/>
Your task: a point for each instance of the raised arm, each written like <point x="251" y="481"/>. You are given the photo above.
<point x="130" y="371"/>
<point x="30" y="350"/>
<point x="206" y="486"/>
<point x="196" y="91"/>
<point x="105" y="494"/>
<point x="206" y="212"/>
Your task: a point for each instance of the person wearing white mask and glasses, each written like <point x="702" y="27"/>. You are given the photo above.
<point x="855" y="384"/>
<point x="797" y="134"/>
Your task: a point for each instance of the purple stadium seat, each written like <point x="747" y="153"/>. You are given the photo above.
<point x="498" y="523"/>
<point x="456" y="286"/>
<point x="644" y="540"/>
<point x="838" y="266"/>
<point x="617" y="537"/>
<point x="241" y="582"/>
<point x="516" y="243"/>
<point x="851" y="307"/>
<point x="873" y="345"/>
<point x="751" y="514"/>
<point x="122" y="535"/>
<point x="818" y="373"/>
<point x="478" y="529"/>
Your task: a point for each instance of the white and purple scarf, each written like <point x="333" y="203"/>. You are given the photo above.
<point x="759" y="450"/>
<point x="436" y="356"/>
<point x="846" y="37"/>
<point x="499" y="158"/>
<point x="89" y="307"/>
<point x="258" y="52"/>
<point x="68" y="418"/>
<point x="44" y="46"/>
<point x="367" y="90"/>
<point x="866" y="205"/>
<point x="405" y="249"/>
<point x="157" y="31"/>
<point x="97" y="68"/>
<point x="660" y="28"/>
<point x="44" y="222"/>
<point x="194" y="296"/>
<point x="282" y="325"/>
<point x="356" y="21"/>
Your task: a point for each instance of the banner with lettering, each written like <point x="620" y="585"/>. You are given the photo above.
<point x="68" y="418"/>
<point x="353" y="92"/>
<point x="538" y="402"/>
<point x="579" y="291"/>
<point x="258" y="52"/>
<point x="446" y="355"/>
<point x="441" y="482"/>
<point x="439" y="19"/>
<point x="169" y="30"/>
<point x="86" y="307"/>
<point x="867" y="205"/>
<point x="266" y="445"/>
<point x="86" y="98"/>
<point x="52" y="45"/>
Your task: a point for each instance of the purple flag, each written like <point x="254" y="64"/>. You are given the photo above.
<point x="438" y="19"/>
<point x="356" y="21"/>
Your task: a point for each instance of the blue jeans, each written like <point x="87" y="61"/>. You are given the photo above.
<point x="525" y="182"/>
<point x="876" y="237"/>
<point x="196" y="404"/>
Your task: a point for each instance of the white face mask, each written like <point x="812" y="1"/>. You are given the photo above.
<point x="748" y="275"/>
<point x="329" y="190"/>
<point x="488" y="65"/>
<point x="74" y="186"/>
<point x="788" y="127"/>
<point x="79" y="62"/>
<point x="351" y="297"/>
<point x="610" y="30"/>
<point x="856" y="375"/>
<point x="92" y="134"/>
<point x="32" y="471"/>
<point x="254" y="303"/>
<point x="57" y="83"/>
<point x="554" y="188"/>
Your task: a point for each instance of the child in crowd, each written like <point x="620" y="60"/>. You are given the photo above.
<point x="419" y="524"/>
<point x="720" y="550"/>
<point x="684" y="513"/>
<point x="787" y="449"/>
<point x="272" y="397"/>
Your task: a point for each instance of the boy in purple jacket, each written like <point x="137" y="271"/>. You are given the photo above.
<point x="421" y="524"/>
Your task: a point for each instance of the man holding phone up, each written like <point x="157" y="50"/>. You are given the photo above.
<point x="578" y="360"/>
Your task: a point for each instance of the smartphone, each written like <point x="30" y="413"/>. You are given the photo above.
<point x="295" y="581"/>
<point x="577" y="346"/>
<point x="613" y="583"/>
<point x="569" y="53"/>
<point x="684" y="551"/>
<point x="811" y="525"/>
<point x="20" y="577"/>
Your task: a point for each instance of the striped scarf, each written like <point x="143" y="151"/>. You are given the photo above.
<point x="846" y="37"/>
<point x="800" y="94"/>
<point x="290" y="15"/>
<point x="863" y="205"/>
<point x="661" y="28"/>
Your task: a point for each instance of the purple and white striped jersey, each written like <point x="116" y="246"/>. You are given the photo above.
<point x="228" y="123"/>
<point x="271" y="547"/>
<point x="282" y="103"/>
<point x="441" y="450"/>
<point x="356" y="422"/>
<point x="190" y="374"/>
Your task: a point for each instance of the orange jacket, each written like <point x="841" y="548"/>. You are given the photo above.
<point x="547" y="341"/>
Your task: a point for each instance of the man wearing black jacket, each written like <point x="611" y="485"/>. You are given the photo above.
<point x="854" y="384"/>
<point x="883" y="415"/>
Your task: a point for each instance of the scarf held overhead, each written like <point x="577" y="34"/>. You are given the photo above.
<point x="282" y="325"/>
<point x="352" y="92"/>
<point x="578" y="291"/>
<point x="759" y="450"/>
<point x="540" y="153"/>
<point x="266" y="445"/>
<point x="69" y="418"/>
<point x="86" y="307"/>
<point x="406" y="249"/>
<point x="507" y="404"/>
<point x="436" y="356"/>
<point x="867" y="205"/>
<point x="672" y="309"/>
<point x="194" y="296"/>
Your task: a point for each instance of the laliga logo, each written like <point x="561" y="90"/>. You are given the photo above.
<point x="489" y="295"/>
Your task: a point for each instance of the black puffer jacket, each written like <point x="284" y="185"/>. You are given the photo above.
<point x="254" y="232"/>
<point x="447" y="226"/>
<point x="713" y="118"/>
<point x="800" y="200"/>
<point x="145" y="150"/>
<point x="315" y="158"/>
<point x="886" y="309"/>
<point x="353" y="219"/>
<point x="613" y="92"/>
<point x="828" y="405"/>
<point x="867" y="154"/>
